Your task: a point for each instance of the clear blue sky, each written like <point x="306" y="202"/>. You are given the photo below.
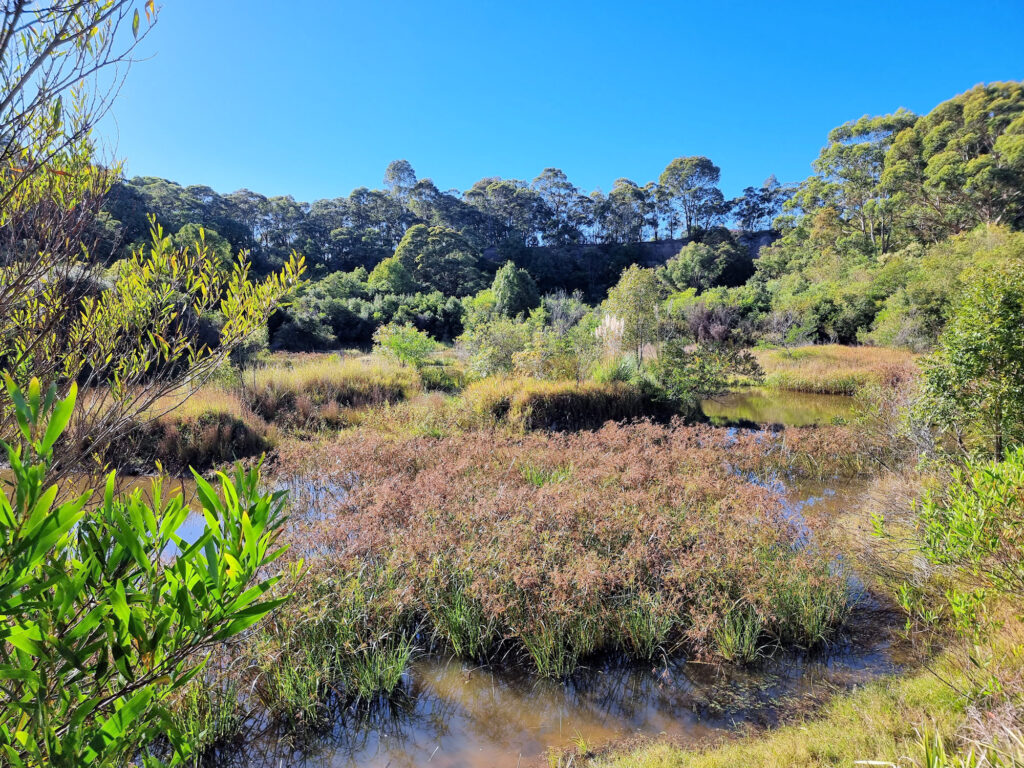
<point x="315" y="98"/>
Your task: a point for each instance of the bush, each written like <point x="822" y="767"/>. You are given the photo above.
<point x="974" y="383"/>
<point x="405" y="343"/>
<point x="105" y="611"/>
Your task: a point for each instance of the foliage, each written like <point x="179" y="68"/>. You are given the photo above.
<point x="406" y="343"/>
<point x="976" y="524"/>
<point x="515" y="292"/>
<point x="440" y="259"/>
<point x="687" y="374"/>
<point x="106" y="610"/>
<point x="691" y="184"/>
<point x="974" y="383"/>
<point x="634" y="301"/>
<point x="962" y="164"/>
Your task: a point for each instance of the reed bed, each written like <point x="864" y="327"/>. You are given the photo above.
<point x="315" y="391"/>
<point x="209" y="427"/>
<point x="539" y="549"/>
<point x="528" y="404"/>
<point x="510" y="404"/>
<point x="548" y="548"/>
<point x="833" y="369"/>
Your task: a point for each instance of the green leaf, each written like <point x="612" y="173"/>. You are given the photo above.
<point x="59" y="420"/>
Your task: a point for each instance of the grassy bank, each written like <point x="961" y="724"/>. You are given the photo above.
<point x="212" y="426"/>
<point x="884" y="721"/>
<point x="832" y="369"/>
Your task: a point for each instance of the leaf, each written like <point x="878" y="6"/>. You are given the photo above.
<point x="59" y="420"/>
<point x="135" y="24"/>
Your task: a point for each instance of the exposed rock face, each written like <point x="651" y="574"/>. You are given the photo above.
<point x="652" y="253"/>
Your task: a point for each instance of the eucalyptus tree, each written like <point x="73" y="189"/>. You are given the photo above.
<point x="399" y="180"/>
<point x="962" y="164"/>
<point x="691" y="184"/>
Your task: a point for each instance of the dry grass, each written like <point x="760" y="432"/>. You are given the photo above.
<point x="834" y="369"/>
<point x="313" y="391"/>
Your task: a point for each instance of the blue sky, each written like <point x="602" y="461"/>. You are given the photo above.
<point x="314" y="99"/>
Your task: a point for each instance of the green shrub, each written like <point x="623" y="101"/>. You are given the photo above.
<point x="105" y="611"/>
<point x="405" y="343"/>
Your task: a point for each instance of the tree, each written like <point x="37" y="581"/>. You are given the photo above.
<point x="688" y="374"/>
<point x="697" y="266"/>
<point x="515" y="292"/>
<point x="138" y="335"/>
<point x="850" y="186"/>
<point x="634" y="301"/>
<point x="441" y="259"/>
<point x="566" y="207"/>
<point x="219" y="248"/>
<point x="392" y="276"/>
<point x="757" y="208"/>
<point x="105" y="610"/>
<point x="405" y="343"/>
<point x="963" y="163"/>
<point x="974" y="383"/>
<point x="399" y="180"/>
<point x="692" y="186"/>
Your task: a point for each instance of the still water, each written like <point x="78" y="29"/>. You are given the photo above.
<point x="762" y="407"/>
<point x="454" y="714"/>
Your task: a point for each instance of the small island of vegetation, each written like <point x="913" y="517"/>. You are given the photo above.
<point x="742" y="476"/>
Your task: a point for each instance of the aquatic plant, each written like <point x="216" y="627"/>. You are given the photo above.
<point x="495" y="547"/>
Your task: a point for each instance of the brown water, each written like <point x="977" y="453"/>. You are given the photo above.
<point x="760" y="407"/>
<point x="454" y="714"/>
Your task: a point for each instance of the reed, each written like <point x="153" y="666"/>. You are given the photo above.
<point x="834" y="369"/>
<point x="313" y="392"/>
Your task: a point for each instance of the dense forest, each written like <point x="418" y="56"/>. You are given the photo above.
<point x="865" y="249"/>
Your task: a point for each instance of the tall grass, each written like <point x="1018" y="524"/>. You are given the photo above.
<point x="314" y="392"/>
<point x="833" y="369"/>
<point x="212" y="426"/>
<point x="527" y="404"/>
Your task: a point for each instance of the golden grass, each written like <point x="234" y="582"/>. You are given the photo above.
<point x="834" y="369"/>
<point x="314" y="390"/>
<point x="209" y="399"/>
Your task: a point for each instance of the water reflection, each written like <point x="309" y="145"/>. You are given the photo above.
<point x="759" y="407"/>
<point x="452" y="713"/>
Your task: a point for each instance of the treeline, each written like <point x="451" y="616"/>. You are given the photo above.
<point x="867" y="249"/>
<point x="362" y="229"/>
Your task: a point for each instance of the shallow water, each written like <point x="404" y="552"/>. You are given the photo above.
<point x="760" y="407"/>
<point x="454" y="714"/>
